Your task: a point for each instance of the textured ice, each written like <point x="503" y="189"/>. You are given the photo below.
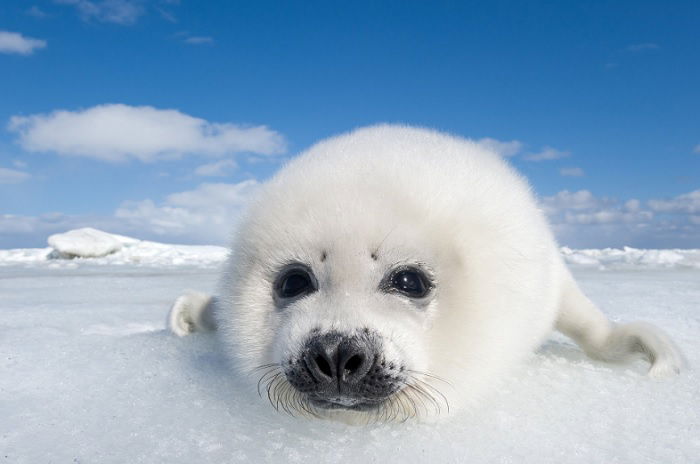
<point x="86" y="243"/>
<point x="88" y="374"/>
<point x="78" y="245"/>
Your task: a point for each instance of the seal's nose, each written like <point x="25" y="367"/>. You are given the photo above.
<point x="336" y="359"/>
<point x="335" y="369"/>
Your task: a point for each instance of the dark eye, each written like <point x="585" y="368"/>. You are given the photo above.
<point x="294" y="282"/>
<point x="411" y="282"/>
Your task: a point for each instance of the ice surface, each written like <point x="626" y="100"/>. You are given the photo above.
<point x="88" y="374"/>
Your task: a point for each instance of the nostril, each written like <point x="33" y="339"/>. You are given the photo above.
<point x="336" y="362"/>
<point x="353" y="364"/>
<point x="323" y="366"/>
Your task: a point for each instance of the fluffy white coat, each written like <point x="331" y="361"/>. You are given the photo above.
<point x="354" y="206"/>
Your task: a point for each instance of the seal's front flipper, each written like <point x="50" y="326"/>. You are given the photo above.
<point x="192" y="312"/>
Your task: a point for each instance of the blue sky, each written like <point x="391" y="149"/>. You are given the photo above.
<point x="158" y="119"/>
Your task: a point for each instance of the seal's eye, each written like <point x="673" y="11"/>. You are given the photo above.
<point x="411" y="282"/>
<point x="294" y="282"/>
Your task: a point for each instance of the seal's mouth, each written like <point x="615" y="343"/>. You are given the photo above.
<point x="345" y="402"/>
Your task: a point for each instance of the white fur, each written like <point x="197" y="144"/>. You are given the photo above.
<point x="409" y="195"/>
<point x="191" y="312"/>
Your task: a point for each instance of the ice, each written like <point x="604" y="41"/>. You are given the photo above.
<point x="87" y="243"/>
<point x="88" y="374"/>
<point x="90" y="246"/>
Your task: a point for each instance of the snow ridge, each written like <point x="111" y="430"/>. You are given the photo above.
<point x="91" y="246"/>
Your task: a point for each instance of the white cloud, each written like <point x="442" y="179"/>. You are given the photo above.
<point x="581" y="219"/>
<point x="12" y="225"/>
<point x="565" y="200"/>
<point x="697" y="148"/>
<point x="13" y="42"/>
<point x="116" y="132"/>
<point x="582" y="207"/>
<point x="167" y="15"/>
<point x="547" y="154"/>
<point x="206" y="214"/>
<point x="515" y="147"/>
<point x="216" y="169"/>
<point x="32" y="231"/>
<point x="686" y="203"/>
<point x="199" y="40"/>
<point x="124" y="12"/>
<point x="633" y="205"/>
<point x="571" y="172"/>
<point x="608" y="216"/>
<point x="642" y="47"/>
<point x="505" y="149"/>
<point x="36" y="12"/>
<point x="12" y="176"/>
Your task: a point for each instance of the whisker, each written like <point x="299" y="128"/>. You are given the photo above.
<point x="280" y="393"/>
<point x="436" y="390"/>
<point x="263" y="379"/>
<point x="409" y="388"/>
<point x="411" y="402"/>
<point x="417" y="396"/>
<point x="420" y="391"/>
<point x="299" y="403"/>
<point x="432" y="376"/>
<point x="264" y="366"/>
<point x="283" y="399"/>
<point x="269" y="390"/>
<point x="404" y="408"/>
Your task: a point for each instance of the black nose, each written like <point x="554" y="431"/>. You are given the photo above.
<point x="333" y="358"/>
<point x="335" y="369"/>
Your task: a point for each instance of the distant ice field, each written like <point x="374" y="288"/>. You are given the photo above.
<point x="88" y="374"/>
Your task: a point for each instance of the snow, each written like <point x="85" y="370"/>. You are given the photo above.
<point x="88" y="374"/>
<point x="87" y="243"/>
<point x="89" y="247"/>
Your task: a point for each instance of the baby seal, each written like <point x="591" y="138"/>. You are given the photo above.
<point x="394" y="272"/>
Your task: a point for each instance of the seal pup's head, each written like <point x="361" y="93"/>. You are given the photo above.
<point x="375" y="276"/>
